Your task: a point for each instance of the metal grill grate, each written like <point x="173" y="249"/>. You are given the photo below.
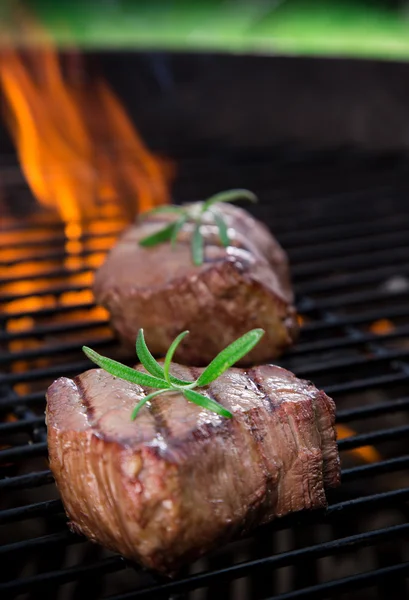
<point x="344" y="224"/>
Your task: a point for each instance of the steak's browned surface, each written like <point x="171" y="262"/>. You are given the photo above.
<point x="178" y="481"/>
<point x="237" y="288"/>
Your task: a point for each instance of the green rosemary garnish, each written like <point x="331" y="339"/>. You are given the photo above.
<point x="162" y="381"/>
<point x="195" y="214"/>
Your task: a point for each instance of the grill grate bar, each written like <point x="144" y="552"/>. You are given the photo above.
<point x="46" y="351"/>
<point x="302" y="348"/>
<point x="56" y="291"/>
<point x="62" y="537"/>
<point x="47" y="372"/>
<point x="27" y="481"/>
<point x="361" y="319"/>
<point x="353" y="299"/>
<point x="20" y="452"/>
<point x="29" y="511"/>
<point x="374" y="410"/>
<point x="13" y="401"/>
<point x="362" y="261"/>
<point x="278" y="561"/>
<point x="353" y="583"/>
<point x="302" y="371"/>
<point x="380" y="241"/>
<point x="103" y="567"/>
<point x="321" y="367"/>
<point x="373" y="469"/>
<point x="343" y="280"/>
<point x="343" y="231"/>
<point x="51" y="274"/>
<point x="299" y="253"/>
<point x="58" y="240"/>
<point x="47" y="330"/>
<point x="334" y="511"/>
<point x="365" y="439"/>
<point x="47" y="312"/>
<point x="337" y="343"/>
<point x="363" y="384"/>
<point x="55" y="506"/>
<point x="21" y="425"/>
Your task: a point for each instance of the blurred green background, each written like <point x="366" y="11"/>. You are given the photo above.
<point x="320" y="28"/>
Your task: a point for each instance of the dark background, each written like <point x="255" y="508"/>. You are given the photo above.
<point x="189" y="103"/>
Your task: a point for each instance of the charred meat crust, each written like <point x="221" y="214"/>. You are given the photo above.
<point x="160" y="290"/>
<point x="180" y="480"/>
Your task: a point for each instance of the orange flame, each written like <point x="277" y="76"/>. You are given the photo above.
<point x="77" y="146"/>
<point x="366" y="453"/>
<point x="381" y="327"/>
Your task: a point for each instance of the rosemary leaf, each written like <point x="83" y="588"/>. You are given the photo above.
<point x="229" y="196"/>
<point x="168" y="208"/>
<point x="206" y="403"/>
<point x="159" y="236"/>
<point x="178" y="226"/>
<point x="197" y="246"/>
<point x="144" y="401"/>
<point x="146" y="358"/>
<point x="169" y="356"/>
<point x="123" y="372"/>
<point x="223" y="231"/>
<point x="227" y="357"/>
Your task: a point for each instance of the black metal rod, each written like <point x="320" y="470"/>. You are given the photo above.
<point x="47" y="312"/>
<point x="21" y="452"/>
<point x="61" y="576"/>
<point x="62" y="537"/>
<point x="366" y="439"/>
<point x="374" y="410"/>
<point x="48" y="351"/>
<point x="271" y="562"/>
<point x="46" y="330"/>
<point x="27" y="481"/>
<point x="357" y="385"/>
<point x="56" y="273"/>
<point x="21" y="425"/>
<point x="350" y="263"/>
<point x="352" y="583"/>
<point x="49" y="291"/>
<point x="29" y="511"/>
<point x="372" y="469"/>
<point x="337" y="343"/>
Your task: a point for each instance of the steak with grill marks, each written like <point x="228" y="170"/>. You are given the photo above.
<point x="238" y="288"/>
<point x="180" y="480"/>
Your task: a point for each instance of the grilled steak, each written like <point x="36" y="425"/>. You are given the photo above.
<point x="238" y="288"/>
<point x="180" y="480"/>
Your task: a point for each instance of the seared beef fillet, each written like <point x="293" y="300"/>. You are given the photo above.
<point x="238" y="288"/>
<point x="180" y="480"/>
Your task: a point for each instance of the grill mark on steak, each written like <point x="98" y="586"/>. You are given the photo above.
<point x="88" y="406"/>
<point x="159" y="418"/>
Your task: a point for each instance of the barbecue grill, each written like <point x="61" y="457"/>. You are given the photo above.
<point x="343" y="218"/>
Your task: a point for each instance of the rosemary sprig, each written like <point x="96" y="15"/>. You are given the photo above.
<point x="160" y="379"/>
<point x="195" y="214"/>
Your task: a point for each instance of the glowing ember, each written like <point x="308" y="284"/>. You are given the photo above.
<point x="365" y="453"/>
<point x="382" y="327"/>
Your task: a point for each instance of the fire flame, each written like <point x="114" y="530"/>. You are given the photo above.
<point x="77" y="146"/>
<point x="367" y="454"/>
<point x="83" y="160"/>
